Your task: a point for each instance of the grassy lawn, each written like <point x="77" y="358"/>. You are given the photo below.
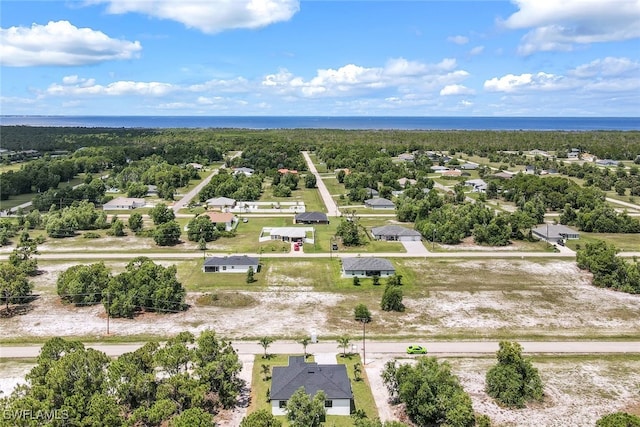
<point x="622" y="241"/>
<point x="320" y="166"/>
<point x="333" y="186"/>
<point x="362" y="393"/>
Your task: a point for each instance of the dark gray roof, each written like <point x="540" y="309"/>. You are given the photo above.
<point x="379" y="202"/>
<point x="367" y="263"/>
<point x="332" y="379"/>
<point x="311" y="216"/>
<point x="554" y="231"/>
<point x="393" y="230"/>
<point x="231" y="260"/>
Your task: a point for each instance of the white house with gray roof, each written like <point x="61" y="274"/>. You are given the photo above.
<point x="331" y="379"/>
<point x="367" y="267"/>
<point x="123" y="203"/>
<point x="230" y="264"/>
<point x="395" y="233"/>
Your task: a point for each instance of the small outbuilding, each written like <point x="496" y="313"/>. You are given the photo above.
<point x="367" y="267"/>
<point x="395" y="233"/>
<point x="332" y="379"/>
<point x="230" y="264"/>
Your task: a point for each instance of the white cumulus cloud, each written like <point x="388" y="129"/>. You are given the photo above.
<point x="456" y="90"/>
<point x="512" y="83"/>
<point x="476" y="50"/>
<point x="61" y="43"/>
<point x="458" y="39"/>
<point x="210" y="16"/>
<point x="560" y="25"/>
<point x="74" y="86"/>
<point x="608" y="66"/>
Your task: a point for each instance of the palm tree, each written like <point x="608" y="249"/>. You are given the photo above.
<point x="265" y="342"/>
<point x="343" y="343"/>
<point x="305" y="342"/>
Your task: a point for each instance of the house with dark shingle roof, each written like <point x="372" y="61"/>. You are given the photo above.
<point x="379" y="203"/>
<point x="230" y="264"/>
<point x="554" y="233"/>
<point x="331" y="379"/>
<point x="367" y="267"/>
<point x="395" y="233"/>
<point x="311" y="218"/>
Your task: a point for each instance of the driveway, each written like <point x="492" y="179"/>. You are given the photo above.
<point x="415" y="248"/>
<point x="330" y="204"/>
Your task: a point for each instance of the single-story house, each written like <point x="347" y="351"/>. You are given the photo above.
<point x="553" y="233"/>
<point x="537" y="152"/>
<point x="452" y="172"/>
<point x="379" y="203"/>
<point x="469" y="166"/>
<point x="285" y="171"/>
<point x="530" y="170"/>
<point x="479" y="186"/>
<point x="503" y="175"/>
<point x="311" y="218"/>
<point x="331" y="379"/>
<point x="123" y="203"/>
<point x="287" y="234"/>
<point x="573" y="154"/>
<point x="230" y="264"/>
<point x="220" y="203"/>
<point x="395" y="233"/>
<point x="366" y="267"/>
<point x="372" y="192"/>
<point x="244" y="171"/>
<point x="439" y="169"/>
<point x="196" y="166"/>
<point x="406" y="157"/>
<point x="222" y="218"/>
<point x="404" y="181"/>
<point x="607" y="162"/>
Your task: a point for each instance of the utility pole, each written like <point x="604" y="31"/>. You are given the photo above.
<point x="364" y="335"/>
<point x="108" y="313"/>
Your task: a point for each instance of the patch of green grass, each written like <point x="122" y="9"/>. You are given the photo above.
<point x="622" y="241"/>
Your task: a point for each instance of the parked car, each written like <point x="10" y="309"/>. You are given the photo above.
<point x="416" y="349"/>
<point x="334" y="246"/>
<point x="296" y="247"/>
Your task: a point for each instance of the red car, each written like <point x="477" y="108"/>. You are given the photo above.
<point x="296" y="247"/>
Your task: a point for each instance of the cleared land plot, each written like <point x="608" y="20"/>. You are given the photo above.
<point x="444" y="298"/>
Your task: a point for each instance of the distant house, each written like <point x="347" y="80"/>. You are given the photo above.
<point x="479" y="186"/>
<point x="288" y="234"/>
<point x="537" y="152"/>
<point x="588" y="157"/>
<point x="503" y="175"/>
<point x="152" y="190"/>
<point x="243" y="171"/>
<point x="406" y="157"/>
<point x="439" y="169"/>
<point x="574" y="154"/>
<point x="452" y="173"/>
<point x="607" y="162"/>
<point x="367" y="267"/>
<point x="553" y="233"/>
<point x="196" y="166"/>
<point x="469" y="166"/>
<point x="372" y="192"/>
<point x="395" y="233"/>
<point x="220" y="203"/>
<point x="331" y="379"/>
<point x="530" y="170"/>
<point x="284" y="171"/>
<point x="230" y="264"/>
<point x="123" y="203"/>
<point x="311" y="218"/>
<point x="222" y="218"/>
<point x="379" y="203"/>
<point x="404" y="181"/>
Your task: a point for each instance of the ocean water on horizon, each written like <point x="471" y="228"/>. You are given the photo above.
<point x="320" y="122"/>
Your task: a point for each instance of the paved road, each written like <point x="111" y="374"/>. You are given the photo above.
<point x="330" y="204"/>
<point x="620" y="202"/>
<point x="453" y="348"/>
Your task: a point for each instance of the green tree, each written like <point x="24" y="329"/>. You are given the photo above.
<point x="356" y="281"/>
<point x="83" y="284"/>
<point x="513" y="381"/>
<point x="22" y="256"/>
<point x="310" y="180"/>
<point x="161" y="214"/>
<point x="136" y="222"/>
<point x="260" y="418"/>
<point x="250" y="275"/>
<point x="343" y="343"/>
<point x="265" y="342"/>
<point x="167" y="234"/>
<point x="117" y="228"/>
<point x="618" y="419"/>
<point x="201" y="227"/>
<point x="357" y="372"/>
<point x="14" y="285"/>
<point x="303" y="411"/>
<point x="431" y="393"/>
<point x="304" y="341"/>
<point x="361" y="313"/>
<point x="392" y="299"/>
<point x="192" y="417"/>
<point x="282" y="190"/>
<point x="349" y="231"/>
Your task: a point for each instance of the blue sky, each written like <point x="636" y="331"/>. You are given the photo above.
<point x="330" y="58"/>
